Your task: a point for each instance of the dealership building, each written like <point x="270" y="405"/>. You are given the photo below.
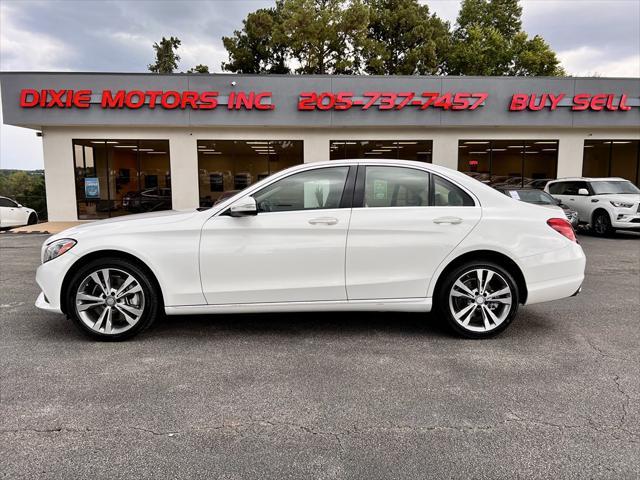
<point x="123" y="143"/>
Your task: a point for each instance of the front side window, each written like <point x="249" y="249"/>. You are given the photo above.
<point x="446" y="194"/>
<point x="396" y="187"/>
<point x="311" y="190"/>
<point x="5" y="202"/>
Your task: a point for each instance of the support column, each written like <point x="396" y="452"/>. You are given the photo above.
<point x="570" y="154"/>
<point x="183" y="148"/>
<point x="445" y="149"/>
<point x="59" y="175"/>
<point x="316" y="147"/>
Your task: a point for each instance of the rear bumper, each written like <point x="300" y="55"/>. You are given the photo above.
<point x="554" y="275"/>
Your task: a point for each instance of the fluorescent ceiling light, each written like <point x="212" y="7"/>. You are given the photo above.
<point x="210" y="150"/>
<point x="125" y="146"/>
<point x="258" y="143"/>
<point x="145" y="149"/>
<point x="515" y="146"/>
<point x="424" y="153"/>
<point x="477" y="153"/>
<point x="548" y="149"/>
<point x="588" y="146"/>
<point x="407" y="143"/>
<point x="156" y="153"/>
<point x="462" y="146"/>
<point x="532" y="151"/>
<point x="212" y="153"/>
<point x="621" y="142"/>
<point x="104" y="141"/>
<point x="545" y="143"/>
<point x="498" y="149"/>
<point x="373" y="153"/>
<point x="476" y="143"/>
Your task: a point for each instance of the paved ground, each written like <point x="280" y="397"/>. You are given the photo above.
<point x="305" y="396"/>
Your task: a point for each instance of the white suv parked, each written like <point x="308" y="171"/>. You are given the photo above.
<point x="607" y="204"/>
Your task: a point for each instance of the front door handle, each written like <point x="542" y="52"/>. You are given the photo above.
<point x="323" y="221"/>
<point x="450" y="220"/>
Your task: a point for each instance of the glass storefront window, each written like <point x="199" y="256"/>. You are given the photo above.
<point x="419" y="150"/>
<point x="227" y="166"/>
<point x="522" y="163"/>
<point x="612" y="158"/>
<point x="118" y="177"/>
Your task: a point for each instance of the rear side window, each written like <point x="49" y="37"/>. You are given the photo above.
<point x="5" y="202"/>
<point x="446" y="194"/>
<point x="557" y="188"/>
<point x="396" y="187"/>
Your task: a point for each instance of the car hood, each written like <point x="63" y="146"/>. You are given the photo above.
<point x="617" y="197"/>
<point x="128" y="222"/>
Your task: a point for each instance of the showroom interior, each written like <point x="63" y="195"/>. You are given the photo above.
<point x="103" y="161"/>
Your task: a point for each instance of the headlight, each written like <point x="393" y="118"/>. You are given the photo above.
<point x="621" y="204"/>
<point x="57" y="248"/>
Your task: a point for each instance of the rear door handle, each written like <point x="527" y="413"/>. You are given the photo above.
<point x="323" y="221"/>
<point x="450" y="220"/>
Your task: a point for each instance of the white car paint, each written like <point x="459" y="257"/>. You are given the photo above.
<point x="622" y="217"/>
<point x="12" y="214"/>
<point x="339" y="259"/>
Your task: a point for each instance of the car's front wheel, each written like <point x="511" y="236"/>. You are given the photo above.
<point x="33" y="219"/>
<point x="112" y="299"/>
<point x="602" y="224"/>
<point x="478" y="299"/>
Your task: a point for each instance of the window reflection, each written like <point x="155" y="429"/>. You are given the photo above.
<point x="612" y="158"/>
<point x="521" y="163"/>
<point x="419" y="150"/>
<point x="228" y="166"/>
<point x="118" y="177"/>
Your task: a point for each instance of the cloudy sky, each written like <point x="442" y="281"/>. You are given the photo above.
<point x="590" y="36"/>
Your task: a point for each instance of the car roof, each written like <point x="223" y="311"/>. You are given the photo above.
<point x="588" y="179"/>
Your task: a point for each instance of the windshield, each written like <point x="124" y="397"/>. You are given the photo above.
<point x="537" y="197"/>
<point x="614" y="186"/>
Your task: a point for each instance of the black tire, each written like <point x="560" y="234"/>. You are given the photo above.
<point x="601" y="225"/>
<point x="33" y="219"/>
<point x="152" y="306"/>
<point x="444" y="307"/>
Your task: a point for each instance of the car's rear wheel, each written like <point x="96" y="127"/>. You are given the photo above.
<point x="602" y="224"/>
<point x="111" y="299"/>
<point x="33" y="219"/>
<point x="478" y="299"/>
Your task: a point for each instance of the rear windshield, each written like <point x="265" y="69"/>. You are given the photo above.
<point x="532" y="196"/>
<point x="614" y="186"/>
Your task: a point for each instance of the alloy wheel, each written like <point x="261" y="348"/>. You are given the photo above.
<point x="110" y="301"/>
<point x="480" y="300"/>
<point x="600" y="224"/>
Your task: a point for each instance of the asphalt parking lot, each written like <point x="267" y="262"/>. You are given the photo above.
<point x="326" y="396"/>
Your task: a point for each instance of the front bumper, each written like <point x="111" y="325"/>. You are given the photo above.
<point x="625" y="221"/>
<point x="49" y="278"/>
<point x="42" y="302"/>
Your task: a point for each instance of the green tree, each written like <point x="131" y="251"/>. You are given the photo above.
<point x="166" y="57"/>
<point x="254" y="48"/>
<point x="488" y="40"/>
<point x="324" y="36"/>
<point x="404" y="39"/>
<point x="199" y="69"/>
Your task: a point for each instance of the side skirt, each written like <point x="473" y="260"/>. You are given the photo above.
<point x="378" y="305"/>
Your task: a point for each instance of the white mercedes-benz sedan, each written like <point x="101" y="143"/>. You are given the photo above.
<point x="352" y="235"/>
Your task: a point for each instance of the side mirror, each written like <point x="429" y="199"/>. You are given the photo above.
<point x="244" y="207"/>
<point x="19" y="205"/>
<point x="583" y="191"/>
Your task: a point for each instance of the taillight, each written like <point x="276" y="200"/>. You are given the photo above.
<point x="563" y="227"/>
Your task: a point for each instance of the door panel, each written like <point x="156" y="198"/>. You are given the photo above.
<point x="393" y="252"/>
<point x="291" y="256"/>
